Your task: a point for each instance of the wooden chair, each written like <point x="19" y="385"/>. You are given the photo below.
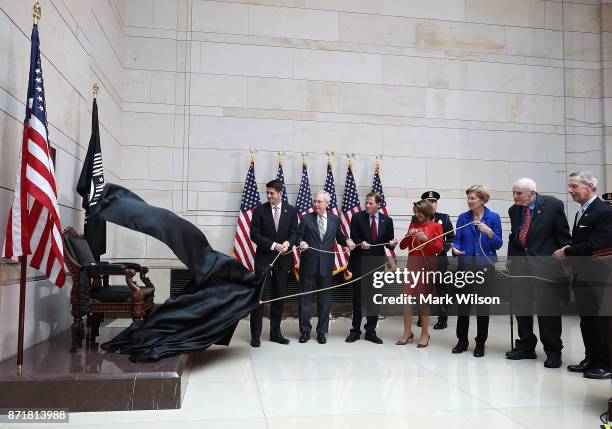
<point x="90" y="289"/>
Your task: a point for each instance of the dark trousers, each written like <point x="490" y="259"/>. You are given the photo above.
<point x="482" y="311"/>
<point x="279" y="284"/>
<point x="363" y="291"/>
<point x="534" y="296"/>
<point x="307" y="284"/>
<point x="550" y="333"/>
<point x="443" y="291"/>
<point x="589" y="301"/>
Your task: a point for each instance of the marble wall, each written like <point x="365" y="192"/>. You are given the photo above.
<point x="450" y="92"/>
<point x="81" y="43"/>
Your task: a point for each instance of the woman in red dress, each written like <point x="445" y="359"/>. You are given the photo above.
<point x="424" y="242"/>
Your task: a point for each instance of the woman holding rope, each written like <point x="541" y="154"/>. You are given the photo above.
<point x="423" y="241"/>
<point x="476" y="247"/>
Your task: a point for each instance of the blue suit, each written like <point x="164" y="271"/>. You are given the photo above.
<point x="469" y="238"/>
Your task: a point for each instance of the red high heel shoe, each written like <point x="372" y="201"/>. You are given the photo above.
<point x="410" y="339"/>
<point x="421" y="346"/>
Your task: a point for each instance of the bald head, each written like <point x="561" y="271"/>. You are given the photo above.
<point x="524" y="191"/>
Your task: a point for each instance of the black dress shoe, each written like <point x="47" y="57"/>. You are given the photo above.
<point x="304" y="337"/>
<point x="441" y="324"/>
<point x="583" y="366"/>
<point x="553" y="360"/>
<point x="255" y="342"/>
<point x="479" y="350"/>
<point x="598" y="374"/>
<point x="352" y="337"/>
<point x="373" y="338"/>
<point x="321" y="338"/>
<point x="520" y="354"/>
<point x="278" y="338"/>
<point x="461" y="346"/>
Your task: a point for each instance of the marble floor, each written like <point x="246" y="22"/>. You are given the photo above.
<point x="363" y="385"/>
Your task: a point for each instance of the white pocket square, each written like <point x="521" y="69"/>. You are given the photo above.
<point x="582" y="226"/>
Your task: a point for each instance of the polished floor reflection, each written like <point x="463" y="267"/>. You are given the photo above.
<point x="363" y="385"/>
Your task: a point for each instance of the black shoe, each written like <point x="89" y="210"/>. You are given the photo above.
<point x="598" y="374"/>
<point x="461" y="346"/>
<point x="583" y="366"/>
<point x="520" y="354"/>
<point x="479" y="350"/>
<point x="441" y="324"/>
<point x="321" y="338"/>
<point x="352" y="337"/>
<point x="278" y="338"/>
<point x="373" y="338"/>
<point x="304" y="337"/>
<point x="517" y="345"/>
<point x="419" y="323"/>
<point x="255" y="342"/>
<point x="553" y="360"/>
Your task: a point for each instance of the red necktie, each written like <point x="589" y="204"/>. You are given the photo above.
<point x="526" y="221"/>
<point x="373" y="232"/>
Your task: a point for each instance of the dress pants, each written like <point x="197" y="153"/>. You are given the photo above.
<point x="482" y="311"/>
<point x="443" y="290"/>
<point x="550" y="333"/>
<point x="307" y="284"/>
<point x="531" y="296"/>
<point x="362" y="300"/>
<point x="594" y="328"/>
<point x="278" y="282"/>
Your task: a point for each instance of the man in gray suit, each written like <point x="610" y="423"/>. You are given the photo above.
<point x="318" y="229"/>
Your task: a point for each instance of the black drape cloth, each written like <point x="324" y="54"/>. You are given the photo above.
<point x="206" y="312"/>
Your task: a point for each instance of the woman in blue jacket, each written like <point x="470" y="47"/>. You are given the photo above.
<point x="475" y="245"/>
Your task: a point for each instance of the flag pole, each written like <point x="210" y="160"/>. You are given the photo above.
<point x="23" y="260"/>
<point x="21" y="324"/>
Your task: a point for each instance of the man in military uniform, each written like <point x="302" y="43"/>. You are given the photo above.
<point x="447" y="226"/>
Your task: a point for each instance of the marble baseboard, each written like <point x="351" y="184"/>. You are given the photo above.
<point x="91" y="380"/>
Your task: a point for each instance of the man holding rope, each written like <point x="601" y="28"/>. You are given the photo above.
<point x="318" y="230"/>
<point x="368" y="227"/>
<point x="538" y="228"/>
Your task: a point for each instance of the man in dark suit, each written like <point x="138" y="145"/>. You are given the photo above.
<point x="274" y="229"/>
<point x="368" y="227"/>
<point x="592" y="232"/>
<point x="538" y="228"/>
<point x="319" y="230"/>
<point x="442" y="260"/>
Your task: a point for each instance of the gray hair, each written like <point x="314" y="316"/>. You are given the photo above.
<point x="526" y="183"/>
<point x="325" y="195"/>
<point x="586" y="177"/>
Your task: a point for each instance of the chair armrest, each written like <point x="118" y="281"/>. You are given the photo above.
<point x="131" y="265"/>
<point x="106" y="269"/>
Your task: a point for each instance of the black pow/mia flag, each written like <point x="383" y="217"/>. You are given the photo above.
<point x="90" y="187"/>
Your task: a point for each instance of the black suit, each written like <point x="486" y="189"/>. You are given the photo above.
<point x="592" y="232"/>
<point x="442" y="260"/>
<point x="548" y="231"/>
<point x="316" y="268"/>
<point x="264" y="235"/>
<point x="362" y="261"/>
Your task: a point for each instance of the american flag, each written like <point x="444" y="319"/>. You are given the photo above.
<point x="281" y="176"/>
<point x="244" y="248"/>
<point x="34" y="226"/>
<point x="377" y="187"/>
<point x="350" y="202"/>
<point x="341" y="254"/>
<point x="303" y="206"/>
